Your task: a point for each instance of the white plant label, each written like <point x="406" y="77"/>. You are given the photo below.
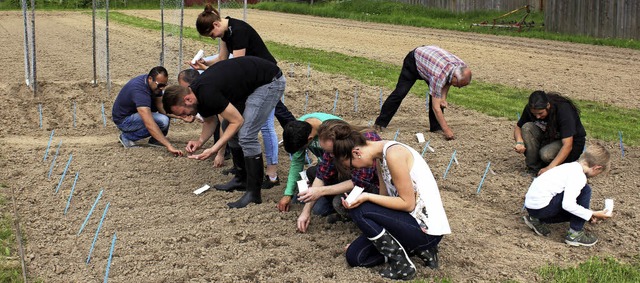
<point x="353" y="195"/>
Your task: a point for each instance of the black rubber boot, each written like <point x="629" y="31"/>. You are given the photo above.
<point x="238" y="182"/>
<point x="430" y="257"/>
<point x="255" y="171"/>
<point x="400" y="265"/>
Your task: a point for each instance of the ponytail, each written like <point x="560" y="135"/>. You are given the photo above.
<point x="204" y="23"/>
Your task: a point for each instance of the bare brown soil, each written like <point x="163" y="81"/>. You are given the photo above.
<point x="167" y="234"/>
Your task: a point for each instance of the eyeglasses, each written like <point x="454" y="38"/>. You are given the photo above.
<point x="160" y="85"/>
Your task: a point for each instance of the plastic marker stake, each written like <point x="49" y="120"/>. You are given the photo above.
<point x="518" y="115"/>
<point x="483" y="176"/>
<point x="355" y="101"/>
<point x="353" y="195"/>
<point x="113" y="245"/>
<point x="40" y="114"/>
<point x="306" y="155"/>
<point x="380" y="98"/>
<point x="308" y="69"/>
<point x="64" y="173"/>
<point x="86" y="219"/>
<point x="104" y="118"/>
<point x="621" y="144"/>
<point x="335" y="103"/>
<point x="420" y="137"/>
<point x="197" y="57"/>
<point x="46" y="151"/>
<point x="455" y="159"/>
<point x="201" y="189"/>
<point x="95" y="237"/>
<point x="396" y="136"/>
<point x="491" y="170"/>
<point x="306" y="101"/>
<point x="302" y="186"/>
<point x="449" y="166"/>
<point x="71" y="193"/>
<point x="424" y="150"/>
<point x="53" y="162"/>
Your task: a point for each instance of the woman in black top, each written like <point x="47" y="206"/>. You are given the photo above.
<point x="549" y="132"/>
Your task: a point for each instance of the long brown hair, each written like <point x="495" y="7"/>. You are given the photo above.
<point x="337" y="131"/>
<point x="204" y="23"/>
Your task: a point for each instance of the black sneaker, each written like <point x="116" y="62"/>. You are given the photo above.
<point x="429" y="257"/>
<point x="537" y="226"/>
<point x="268" y="184"/>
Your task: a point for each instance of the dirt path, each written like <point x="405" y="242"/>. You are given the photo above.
<point x="167" y="234"/>
<point x="597" y="73"/>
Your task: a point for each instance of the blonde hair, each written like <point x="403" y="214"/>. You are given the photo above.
<point x="597" y="155"/>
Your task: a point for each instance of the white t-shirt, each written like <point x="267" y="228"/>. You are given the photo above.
<point x="429" y="211"/>
<point x="568" y="178"/>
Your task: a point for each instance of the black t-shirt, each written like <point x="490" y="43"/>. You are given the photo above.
<point x="231" y="81"/>
<point x="242" y="36"/>
<point x="567" y="122"/>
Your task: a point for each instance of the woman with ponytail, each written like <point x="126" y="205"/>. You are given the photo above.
<point x="549" y="132"/>
<point x="405" y="219"/>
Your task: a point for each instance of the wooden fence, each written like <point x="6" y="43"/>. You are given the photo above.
<point x="460" y="6"/>
<point x="597" y="18"/>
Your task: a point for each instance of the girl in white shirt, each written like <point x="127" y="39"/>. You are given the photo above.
<point x="406" y="218"/>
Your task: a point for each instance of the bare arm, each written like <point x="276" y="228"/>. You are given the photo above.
<point x="436" y="105"/>
<point x="154" y="130"/>
<point x="517" y="136"/>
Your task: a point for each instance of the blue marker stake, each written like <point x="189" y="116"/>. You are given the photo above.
<point x="308" y="69"/>
<point x="73" y="188"/>
<point x="335" y="103"/>
<point x="290" y="157"/>
<point x="95" y="237"/>
<point x="113" y="245"/>
<point x="306" y="155"/>
<point x="483" y="176"/>
<point x="74" y="114"/>
<point x="53" y="162"/>
<point x="518" y="115"/>
<point x="90" y="212"/>
<point x="523" y="207"/>
<point x="46" y="151"/>
<point x="621" y="144"/>
<point x="424" y="150"/>
<point x="64" y="173"/>
<point x="396" y="136"/>
<point x="40" y="114"/>
<point x="104" y="118"/>
<point x="306" y="101"/>
<point x="282" y="98"/>
<point x="355" y="100"/>
<point x="449" y="166"/>
<point x="380" y="98"/>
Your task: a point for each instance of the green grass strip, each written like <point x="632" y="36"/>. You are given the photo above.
<point x="601" y="121"/>
<point x="391" y="12"/>
<point x="10" y="268"/>
<point x="603" y="270"/>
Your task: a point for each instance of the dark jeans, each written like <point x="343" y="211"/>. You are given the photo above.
<point x="553" y="212"/>
<point x="323" y="205"/>
<point x="372" y="219"/>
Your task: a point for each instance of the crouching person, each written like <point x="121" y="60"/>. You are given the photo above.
<point x="563" y="195"/>
<point x="406" y="218"/>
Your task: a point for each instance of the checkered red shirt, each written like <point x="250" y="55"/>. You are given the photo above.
<point x="436" y="65"/>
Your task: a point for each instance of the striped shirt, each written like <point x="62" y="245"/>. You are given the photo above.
<point x="436" y="65"/>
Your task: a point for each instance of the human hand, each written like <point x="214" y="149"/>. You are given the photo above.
<point x="283" y="204"/>
<point x="199" y="65"/>
<point x="204" y="155"/>
<point x="448" y="134"/>
<point x="192" y="146"/>
<point x="303" y="222"/>
<point x="545" y="169"/>
<point x="218" y="161"/>
<point x="173" y="150"/>
<point x="443" y="104"/>
<point x="357" y="202"/>
<point x="598" y="216"/>
<point x="311" y="194"/>
<point x="519" y="148"/>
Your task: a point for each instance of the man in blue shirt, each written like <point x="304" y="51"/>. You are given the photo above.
<point x="138" y="111"/>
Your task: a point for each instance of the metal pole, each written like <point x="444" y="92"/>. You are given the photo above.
<point x="27" y="61"/>
<point x="107" y="45"/>
<point x="219" y="40"/>
<point x="181" y="34"/>
<point x="95" y="72"/>
<point x="33" y="46"/>
<point x="244" y="14"/>
<point x="161" y="32"/>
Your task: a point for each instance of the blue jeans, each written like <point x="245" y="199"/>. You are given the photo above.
<point x="270" y="139"/>
<point x="133" y="127"/>
<point x="372" y="219"/>
<point x="553" y="212"/>
<point x="258" y="107"/>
